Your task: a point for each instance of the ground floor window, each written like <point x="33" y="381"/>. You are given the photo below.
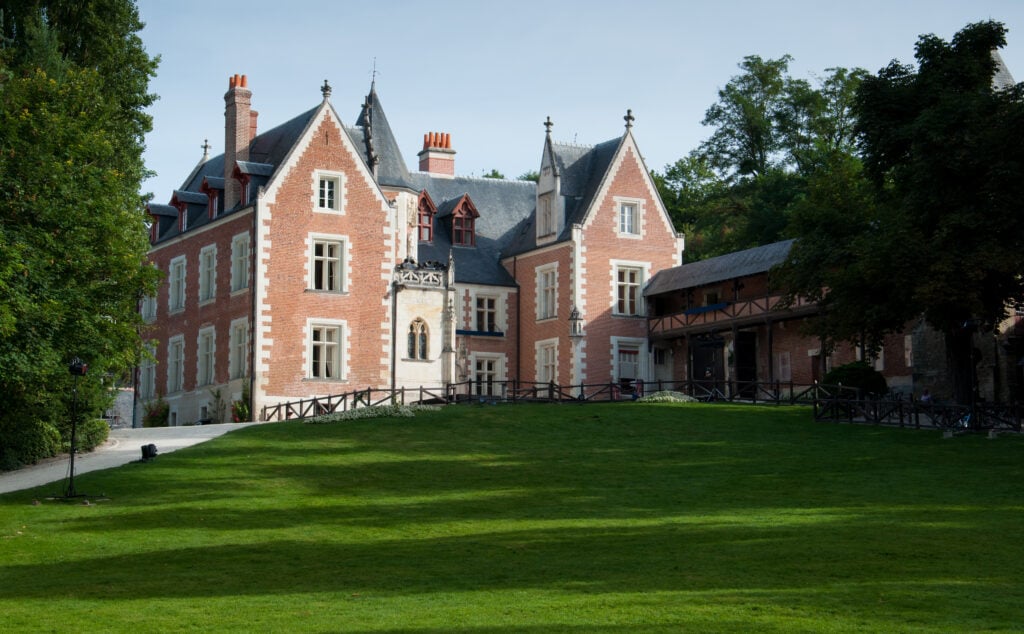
<point x="325" y="351"/>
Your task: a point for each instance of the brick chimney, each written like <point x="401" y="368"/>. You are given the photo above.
<point x="239" y="131"/>
<point x="437" y="156"/>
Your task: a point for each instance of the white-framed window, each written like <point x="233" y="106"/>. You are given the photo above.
<point x="325" y="351"/>
<point x="207" y="273"/>
<point x="147" y="374"/>
<point x="418" y="340"/>
<point x="547" y="291"/>
<point x="487" y="370"/>
<point x="660" y="356"/>
<point x="629" y="358"/>
<point x="327" y="263"/>
<point x="628" y="282"/>
<point x="175" y="364"/>
<point x="176" y="285"/>
<point x="240" y="262"/>
<point x="486" y="313"/>
<point x="547" y="360"/>
<point x="206" y="348"/>
<point x="148" y="309"/>
<point x="629" y="213"/>
<point x="238" y="340"/>
<point x="329" y="192"/>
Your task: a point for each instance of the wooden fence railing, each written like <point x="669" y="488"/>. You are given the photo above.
<point x="947" y="417"/>
<point x="517" y="391"/>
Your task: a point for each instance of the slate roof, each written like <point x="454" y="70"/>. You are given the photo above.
<point x="724" y="267"/>
<point x="1002" y="79"/>
<point x="506" y="207"/>
<point x="502" y="204"/>
<point x="266" y="152"/>
<point x="581" y="168"/>
<point x="373" y="137"/>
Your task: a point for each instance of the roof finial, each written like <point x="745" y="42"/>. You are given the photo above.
<point x="206" y="147"/>
<point x="373" y="75"/>
<point x="326" y="90"/>
<point x="547" y="125"/>
<point x="629" y="118"/>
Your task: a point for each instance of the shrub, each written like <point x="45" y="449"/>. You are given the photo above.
<point x="668" y="397"/>
<point x="156" y="413"/>
<point x="27" y="442"/>
<point x="240" y="408"/>
<point x="91" y="434"/>
<point x="858" y="374"/>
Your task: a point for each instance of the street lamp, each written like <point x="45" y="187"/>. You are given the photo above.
<point x="77" y="368"/>
<point x="575" y="324"/>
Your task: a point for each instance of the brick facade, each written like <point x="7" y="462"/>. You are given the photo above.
<point x="338" y="298"/>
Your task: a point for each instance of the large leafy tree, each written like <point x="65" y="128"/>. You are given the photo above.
<point x="771" y="134"/>
<point x="943" y="147"/>
<point x="73" y="86"/>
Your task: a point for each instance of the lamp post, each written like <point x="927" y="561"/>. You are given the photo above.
<point x="576" y="336"/>
<point x="77" y="368"/>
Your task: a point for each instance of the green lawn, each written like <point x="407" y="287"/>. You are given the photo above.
<point x="534" y="518"/>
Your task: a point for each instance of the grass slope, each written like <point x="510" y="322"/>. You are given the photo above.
<point x="534" y="518"/>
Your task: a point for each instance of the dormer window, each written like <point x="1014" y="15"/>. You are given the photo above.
<point x="464" y="223"/>
<point x="425" y="218"/>
<point x="463" y="231"/>
<point x="545" y="216"/>
<point x="182" y="217"/>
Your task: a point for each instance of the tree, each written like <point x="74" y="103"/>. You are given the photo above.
<point x="494" y="174"/>
<point x="843" y="262"/>
<point x="532" y="175"/>
<point x="772" y="133"/>
<point x="942" y="146"/>
<point x="73" y="86"/>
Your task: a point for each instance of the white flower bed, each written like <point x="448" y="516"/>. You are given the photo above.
<point x="376" y="411"/>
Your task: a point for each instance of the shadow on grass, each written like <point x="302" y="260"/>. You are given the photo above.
<point x="571" y="500"/>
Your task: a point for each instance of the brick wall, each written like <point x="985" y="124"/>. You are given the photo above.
<point x="288" y="305"/>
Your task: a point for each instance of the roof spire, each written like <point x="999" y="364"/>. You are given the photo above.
<point x="206" y="148"/>
<point x="629" y="118"/>
<point x="326" y="90"/>
<point x="547" y="125"/>
<point x="373" y="75"/>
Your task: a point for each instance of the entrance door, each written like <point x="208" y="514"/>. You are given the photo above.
<point x="709" y="367"/>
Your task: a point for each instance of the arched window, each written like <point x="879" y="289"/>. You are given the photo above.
<point x="418" y="339"/>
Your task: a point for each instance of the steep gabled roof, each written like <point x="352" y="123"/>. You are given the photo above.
<point x="724" y="267"/>
<point x="373" y="138"/>
<point x="581" y="170"/>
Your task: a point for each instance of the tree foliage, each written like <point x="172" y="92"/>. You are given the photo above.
<point x="942" y="145"/>
<point x="935" y="226"/>
<point x="73" y="86"/>
<point x="771" y="134"/>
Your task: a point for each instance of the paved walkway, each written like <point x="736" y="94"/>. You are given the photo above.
<point x="123" y="446"/>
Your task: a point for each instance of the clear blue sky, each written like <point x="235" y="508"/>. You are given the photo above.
<point x="490" y="73"/>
